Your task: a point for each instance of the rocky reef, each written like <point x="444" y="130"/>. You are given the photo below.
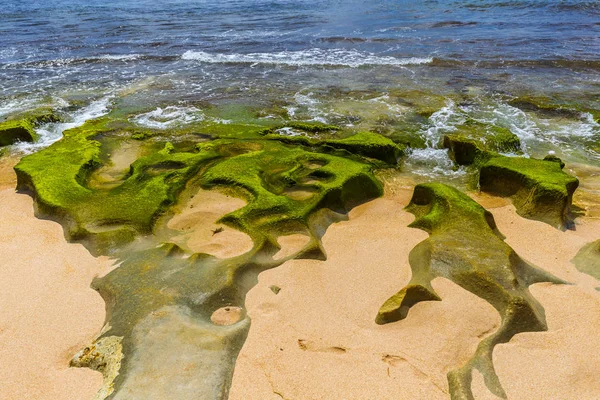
<point x="20" y="127"/>
<point x="539" y="189"/>
<point x="466" y="247"/>
<point x="175" y="315"/>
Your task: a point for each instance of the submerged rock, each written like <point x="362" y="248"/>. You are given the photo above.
<point x="465" y="247"/>
<point x="366" y="144"/>
<point x="474" y="142"/>
<point x="552" y="108"/>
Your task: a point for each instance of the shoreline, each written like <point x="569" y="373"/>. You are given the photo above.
<point x="320" y="327"/>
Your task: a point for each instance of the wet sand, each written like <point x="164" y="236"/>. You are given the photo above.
<point x="48" y="311"/>
<point x="317" y="339"/>
<point x="197" y="230"/>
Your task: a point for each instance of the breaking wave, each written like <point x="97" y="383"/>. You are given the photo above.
<point x="333" y="57"/>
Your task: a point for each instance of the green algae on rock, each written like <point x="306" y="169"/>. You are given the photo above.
<point x="273" y="173"/>
<point x="466" y="247"/>
<point x="59" y="177"/>
<point x="475" y="142"/>
<point x="539" y="189"/>
<point x="17" y="131"/>
<point x="587" y="260"/>
<point x="366" y="144"/>
<point x="20" y="127"/>
<point x="108" y="190"/>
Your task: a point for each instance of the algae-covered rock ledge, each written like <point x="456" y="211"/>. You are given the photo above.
<point x="539" y="189"/>
<point x="115" y="193"/>
<point x="466" y="247"/>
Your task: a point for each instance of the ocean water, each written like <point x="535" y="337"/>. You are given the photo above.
<point x="332" y="61"/>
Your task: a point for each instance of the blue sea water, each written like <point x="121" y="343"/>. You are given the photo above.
<point x="85" y="56"/>
<point x="37" y="31"/>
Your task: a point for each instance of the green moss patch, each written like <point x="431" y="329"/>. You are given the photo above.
<point x="59" y="175"/>
<point x="539" y="189"/>
<point x="16" y="131"/>
<point x="271" y="174"/>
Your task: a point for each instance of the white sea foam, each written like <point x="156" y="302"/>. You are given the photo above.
<point x="120" y="57"/>
<point x="307" y="106"/>
<point x="440" y="122"/>
<point x="287" y="131"/>
<point x="323" y="57"/>
<point x="14" y="106"/>
<point x="432" y="162"/>
<point x="50" y="133"/>
<point x="168" y="117"/>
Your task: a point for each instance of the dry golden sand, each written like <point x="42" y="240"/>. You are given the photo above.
<point x="317" y="338"/>
<point x="47" y="309"/>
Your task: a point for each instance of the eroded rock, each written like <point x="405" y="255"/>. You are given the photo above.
<point x="466" y="247"/>
<point x="539" y="189"/>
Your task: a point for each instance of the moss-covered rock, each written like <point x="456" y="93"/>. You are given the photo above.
<point x="554" y="108"/>
<point x="539" y="189"/>
<point x="474" y="142"/>
<point x="16" y="131"/>
<point x="58" y="175"/>
<point x="464" y="151"/>
<point x="465" y="246"/>
<point x="587" y="259"/>
<point x="286" y="185"/>
<point x="366" y="144"/>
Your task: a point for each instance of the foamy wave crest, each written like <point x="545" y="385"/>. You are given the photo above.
<point x="163" y="118"/>
<point x="52" y="132"/>
<point x="120" y="57"/>
<point x="333" y="57"/>
<point x="64" y="62"/>
<point x="433" y="163"/>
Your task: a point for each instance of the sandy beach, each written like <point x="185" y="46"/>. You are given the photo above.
<point x="48" y="311"/>
<point x="317" y="339"/>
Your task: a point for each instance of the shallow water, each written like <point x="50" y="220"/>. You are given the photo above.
<point x="327" y="61"/>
